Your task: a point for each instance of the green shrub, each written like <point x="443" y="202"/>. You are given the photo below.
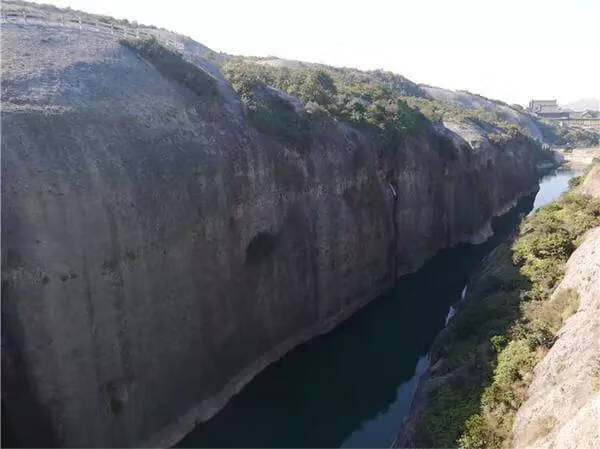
<point x="550" y="236"/>
<point x="367" y="98"/>
<point x="539" y="334"/>
<point x="558" y="245"/>
<point x="447" y="411"/>
<point x="572" y="136"/>
<point x="389" y="104"/>
<point x="478" y="434"/>
<point x="316" y="86"/>
<point x="513" y="360"/>
<point x="498" y="342"/>
<point x="544" y="272"/>
<point x="575" y="181"/>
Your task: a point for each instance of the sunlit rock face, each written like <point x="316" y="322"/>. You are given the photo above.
<point x="157" y="252"/>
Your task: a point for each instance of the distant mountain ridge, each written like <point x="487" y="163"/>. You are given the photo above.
<point x="584" y="104"/>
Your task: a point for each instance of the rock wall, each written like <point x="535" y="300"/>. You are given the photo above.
<point x="157" y="252"/>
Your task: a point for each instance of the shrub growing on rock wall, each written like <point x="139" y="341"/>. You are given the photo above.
<point x="367" y="98"/>
<point x="500" y="333"/>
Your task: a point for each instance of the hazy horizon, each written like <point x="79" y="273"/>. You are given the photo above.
<point x="511" y="51"/>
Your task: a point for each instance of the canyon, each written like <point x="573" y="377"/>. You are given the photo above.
<point x="159" y="249"/>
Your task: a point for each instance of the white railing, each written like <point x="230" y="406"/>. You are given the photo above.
<point x="79" y="22"/>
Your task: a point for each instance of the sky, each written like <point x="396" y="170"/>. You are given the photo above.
<point x="511" y="50"/>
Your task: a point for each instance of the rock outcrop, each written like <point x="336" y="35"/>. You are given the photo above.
<point x="465" y="99"/>
<point x="563" y="405"/>
<point x="158" y="251"/>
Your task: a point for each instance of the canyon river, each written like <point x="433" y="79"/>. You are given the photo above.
<point x="352" y="387"/>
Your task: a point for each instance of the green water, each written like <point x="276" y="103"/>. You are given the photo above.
<point x="352" y="387"/>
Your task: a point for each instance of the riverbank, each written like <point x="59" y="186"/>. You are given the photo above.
<point x="481" y="364"/>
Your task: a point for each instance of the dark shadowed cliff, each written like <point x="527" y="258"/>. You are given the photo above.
<point x="159" y="247"/>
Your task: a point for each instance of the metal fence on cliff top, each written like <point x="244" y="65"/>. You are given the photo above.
<point x="98" y="26"/>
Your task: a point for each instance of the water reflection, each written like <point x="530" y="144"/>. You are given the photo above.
<point x="552" y="185"/>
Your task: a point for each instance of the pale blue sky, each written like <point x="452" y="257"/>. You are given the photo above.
<point x="508" y="49"/>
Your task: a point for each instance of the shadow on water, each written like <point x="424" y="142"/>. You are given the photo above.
<point x="352" y="387"/>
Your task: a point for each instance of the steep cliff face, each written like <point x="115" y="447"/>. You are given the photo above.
<point x="158" y="251"/>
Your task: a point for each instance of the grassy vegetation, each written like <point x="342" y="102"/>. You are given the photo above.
<point x="569" y="136"/>
<point x="499" y="130"/>
<point x="387" y="103"/>
<point x="273" y="114"/>
<point x="172" y="65"/>
<point x="484" y="359"/>
<point x="367" y="98"/>
<point x="438" y="111"/>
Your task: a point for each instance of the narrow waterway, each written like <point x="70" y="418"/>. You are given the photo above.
<point x="353" y="386"/>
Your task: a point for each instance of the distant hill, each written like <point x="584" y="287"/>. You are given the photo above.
<point x="583" y="104"/>
<point x="468" y="100"/>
